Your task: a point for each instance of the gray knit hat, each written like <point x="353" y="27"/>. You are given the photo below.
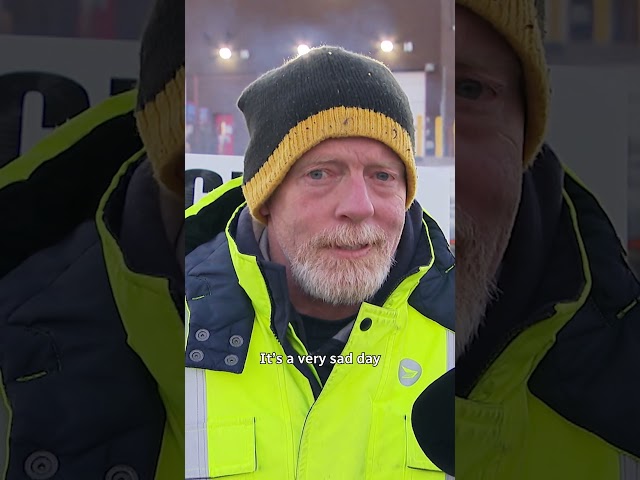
<point x="327" y="93"/>
<point x="160" y="108"/>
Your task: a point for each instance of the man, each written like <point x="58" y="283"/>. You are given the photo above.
<point x="330" y="256"/>
<point x="548" y="323"/>
<point x="91" y="283"/>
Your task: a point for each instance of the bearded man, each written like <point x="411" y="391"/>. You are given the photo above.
<point x="548" y="318"/>
<point x="320" y="250"/>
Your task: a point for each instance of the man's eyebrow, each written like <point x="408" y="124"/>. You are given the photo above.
<point x="476" y="65"/>
<point x="318" y="160"/>
<point x="513" y="71"/>
<point x="470" y="64"/>
<point x="315" y="161"/>
<point x="390" y="165"/>
<point x="321" y="160"/>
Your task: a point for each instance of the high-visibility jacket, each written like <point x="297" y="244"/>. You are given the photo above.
<point x="551" y="387"/>
<point x="255" y="411"/>
<point x="91" y="349"/>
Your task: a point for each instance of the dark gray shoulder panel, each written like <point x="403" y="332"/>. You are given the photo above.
<point x="590" y="376"/>
<point x="220" y="312"/>
<point x="434" y="297"/>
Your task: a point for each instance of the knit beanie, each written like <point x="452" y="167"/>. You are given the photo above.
<point x="327" y="93"/>
<point x="160" y="106"/>
<point x="521" y="23"/>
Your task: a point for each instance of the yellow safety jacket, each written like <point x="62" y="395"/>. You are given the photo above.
<point x="91" y="360"/>
<point x="255" y="411"/>
<point x="550" y="388"/>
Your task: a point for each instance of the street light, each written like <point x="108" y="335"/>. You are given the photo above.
<point x="225" y="53"/>
<point x="386" y="46"/>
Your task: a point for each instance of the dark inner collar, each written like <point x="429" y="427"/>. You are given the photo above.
<point x="537" y="271"/>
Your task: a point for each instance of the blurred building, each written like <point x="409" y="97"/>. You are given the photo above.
<point x="604" y="33"/>
<point x="262" y="35"/>
<point x="106" y="19"/>
<point x="594" y="22"/>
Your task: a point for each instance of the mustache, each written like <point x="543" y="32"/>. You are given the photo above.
<point x="349" y="236"/>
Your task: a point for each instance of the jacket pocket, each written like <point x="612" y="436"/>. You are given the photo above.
<point x="230" y="448"/>
<point x="419" y="466"/>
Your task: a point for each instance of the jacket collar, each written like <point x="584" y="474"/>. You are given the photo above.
<point x="150" y="311"/>
<point x="540" y="269"/>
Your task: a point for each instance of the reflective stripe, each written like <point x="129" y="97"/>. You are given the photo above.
<point x="196" y="456"/>
<point x="451" y="363"/>
<point x="187" y="318"/>
<point x="629" y="468"/>
<point x="451" y="349"/>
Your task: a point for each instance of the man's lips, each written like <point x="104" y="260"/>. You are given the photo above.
<point x="352" y="247"/>
<point x="351" y="251"/>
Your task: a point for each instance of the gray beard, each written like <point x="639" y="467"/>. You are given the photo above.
<point x="475" y="277"/>
<point x="343" y="281"/>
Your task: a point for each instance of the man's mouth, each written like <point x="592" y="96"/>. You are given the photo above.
<point x="353" y="247"/>
<point x="351" y="251"/>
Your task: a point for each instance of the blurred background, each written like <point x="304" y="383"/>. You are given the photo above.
<point x="594" y="46"/>
<point x="115" y="19"/>
<point x="230" y="42"/>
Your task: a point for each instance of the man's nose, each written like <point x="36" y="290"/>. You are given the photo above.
<point x="355" y="201"/>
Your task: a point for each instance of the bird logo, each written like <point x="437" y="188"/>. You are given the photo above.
<point x="409" y="372"/>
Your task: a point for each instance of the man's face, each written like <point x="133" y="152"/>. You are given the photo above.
<point x="489" y="163"/>
<point x="336" y="220"/>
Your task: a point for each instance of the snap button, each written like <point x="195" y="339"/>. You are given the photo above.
<point x="365" y="324"/>
<point x="231" y="360"/>
<point x="121" y="472"/>
<point x="196" y="355"/>
<point x="202" y="335"/>
<point x="41" y="465"/>
<point x="236" y="341"/>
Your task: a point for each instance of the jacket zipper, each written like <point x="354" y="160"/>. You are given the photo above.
<point x="314" y="383"/>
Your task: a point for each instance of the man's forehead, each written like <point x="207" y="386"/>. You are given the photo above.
<point x="479" y="46"/>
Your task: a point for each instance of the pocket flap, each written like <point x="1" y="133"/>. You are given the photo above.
<point x="221" y="448"/>
<point x="232" y="447"/>
<point x="415" y="456"/>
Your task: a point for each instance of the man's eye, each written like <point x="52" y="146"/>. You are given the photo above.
<point x="316" y="174"/>
<point x="471" y="89"/>
<point x="384" y="176"/>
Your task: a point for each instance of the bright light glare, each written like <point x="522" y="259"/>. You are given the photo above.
<point x="303" y="48"/>
<point x="225" y="53"/>
<point x="386" y="45"/>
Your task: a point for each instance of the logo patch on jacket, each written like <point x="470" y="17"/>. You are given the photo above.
<point x="409" y="372"/>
